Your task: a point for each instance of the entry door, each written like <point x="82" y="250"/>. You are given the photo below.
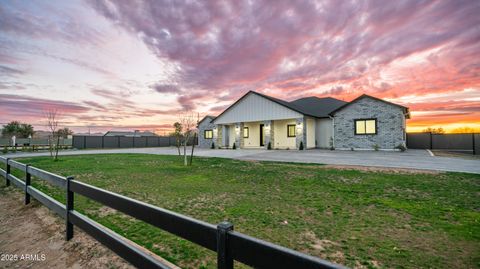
<point x="262" y="137"/>
<point x="227" y="136"/>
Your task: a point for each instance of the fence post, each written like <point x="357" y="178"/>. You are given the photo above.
<point x="7" y="182"/>
<point x="473" y="144"/>
<point x="224" y="254"/>
<point x="431" y="140"/>
<point x="69" y="207"/>
<point x="28" y="179"/>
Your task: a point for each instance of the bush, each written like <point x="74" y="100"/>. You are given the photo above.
<point x="269" y="146"/>
<point x="401" y="147"/>
<point x="5" y="150"/>
<point x="213" y="146"/>
<point x="301" y="145"/>
<point x="376" y="147"/>
<point x="234" y="146"/>
<point x="352" y="149"/>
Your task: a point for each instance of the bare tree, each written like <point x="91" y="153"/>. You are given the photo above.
<point x="53" y="139"/>
<point x="187" y="120"/>
<point x="178" y="135"/>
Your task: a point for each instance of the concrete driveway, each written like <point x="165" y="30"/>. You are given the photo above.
<point x="412" y="159"/>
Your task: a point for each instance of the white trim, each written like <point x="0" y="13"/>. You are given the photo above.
<point x="431" y="153"/>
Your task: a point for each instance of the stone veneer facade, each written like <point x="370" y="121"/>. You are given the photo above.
<point x="206" y="124"/>
<point x="390" y="125"/>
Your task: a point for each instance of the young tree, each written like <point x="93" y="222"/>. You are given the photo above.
<point x="64" y="132"/>
<point x="187" y="120"/>
<point x="52" y="123"/>
<point x="178" y="135"/>
<point x="20" y="130"/>
<point x="26" y="130"/>
<point x="434" y="130"/>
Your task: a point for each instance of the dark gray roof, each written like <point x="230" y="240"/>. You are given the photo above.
<point x="318" y="107"/>
<point x="207" y="117"/>
<point x="311" y="106"/>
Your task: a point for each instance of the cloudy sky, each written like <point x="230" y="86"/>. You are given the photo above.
<point x="137" y="64"/>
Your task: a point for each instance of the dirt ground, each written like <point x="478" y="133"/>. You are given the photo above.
<point x="36" y="236"/>
<point x="464" y="155"/>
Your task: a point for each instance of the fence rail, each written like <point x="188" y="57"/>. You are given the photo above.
<point x="228" y="244"/>
<point x="90" y="142"/>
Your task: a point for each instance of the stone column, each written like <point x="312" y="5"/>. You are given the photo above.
<point x="239" y="134"/>
<point x="301" y="132"/>
<point x="218" y="135"/>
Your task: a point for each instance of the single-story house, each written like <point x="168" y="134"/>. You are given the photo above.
<point x="261" y="121"/>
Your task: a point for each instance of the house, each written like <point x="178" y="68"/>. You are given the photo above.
<point x="257" y="121"/>
<point x="136" y="133"/>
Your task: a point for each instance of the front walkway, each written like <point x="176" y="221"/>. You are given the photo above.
<point x="412" y="159"/>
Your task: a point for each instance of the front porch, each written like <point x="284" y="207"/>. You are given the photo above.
<point x="273" y="134"/>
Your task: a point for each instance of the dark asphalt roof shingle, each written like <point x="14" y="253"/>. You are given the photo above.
<point x="311" y="106"/>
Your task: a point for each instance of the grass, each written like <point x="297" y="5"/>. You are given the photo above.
<point x="356" y="218"/>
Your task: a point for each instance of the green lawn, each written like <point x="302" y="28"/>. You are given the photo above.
<point x="357" y="218"/>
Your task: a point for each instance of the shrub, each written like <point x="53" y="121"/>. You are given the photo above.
<point x="213" y="146"/>
<point x="401" y="147"/>
<point x="301" y="145"/>
<point x="376" y="147"/>
<point x="5" y="150"/>
<point x="234" y="146"/>
<point x="269" y="146"/>
<point x="352" y="149"/>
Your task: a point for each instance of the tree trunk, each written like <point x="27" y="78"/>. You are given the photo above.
<point x="185" y="161"/>
<point x="177" y="138"/>
<point x="193" y="147"/>
<point x="56" y="147"/>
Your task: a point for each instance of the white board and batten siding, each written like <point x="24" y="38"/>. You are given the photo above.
<point x="256" y="108"/>
<point x="323" y="132"/>
<point x="311" y="133"/>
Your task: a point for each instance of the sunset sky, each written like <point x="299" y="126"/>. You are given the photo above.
<point x="137" y="64"/>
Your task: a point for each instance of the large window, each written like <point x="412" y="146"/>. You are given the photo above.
<point x="208" y="134"/>
<point x="245" y="132"/>
<point x="366" y="126"/>
<point x="291" y="130"/>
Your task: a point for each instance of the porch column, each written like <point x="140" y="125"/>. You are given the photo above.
<point x="218" y="135"/>
<point x="239" y="134"/>
<point x="268" y="133"/>
<point x="301" y="132"/>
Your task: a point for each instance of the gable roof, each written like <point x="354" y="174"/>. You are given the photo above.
<point x="406" y="110"/>
<point x="318" y="107"/>
<point x="309" y="106"/>
<point x="207" y="117"/>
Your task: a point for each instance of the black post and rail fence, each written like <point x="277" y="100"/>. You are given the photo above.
<point x="229" y="245"/>
<point x="468" y="142"/>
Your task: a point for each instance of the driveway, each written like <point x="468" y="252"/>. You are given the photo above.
<point x="411" y="159"/>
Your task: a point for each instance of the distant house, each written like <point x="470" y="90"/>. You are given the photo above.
<point x="256" y="120"/>
<point x="129" y="134"/>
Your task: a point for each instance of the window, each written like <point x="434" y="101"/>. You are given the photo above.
<point x="208" y="134"/>
<point x="291" y="130"/>
<point x="245" y="132"/>
<point x="366" y="126"/>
